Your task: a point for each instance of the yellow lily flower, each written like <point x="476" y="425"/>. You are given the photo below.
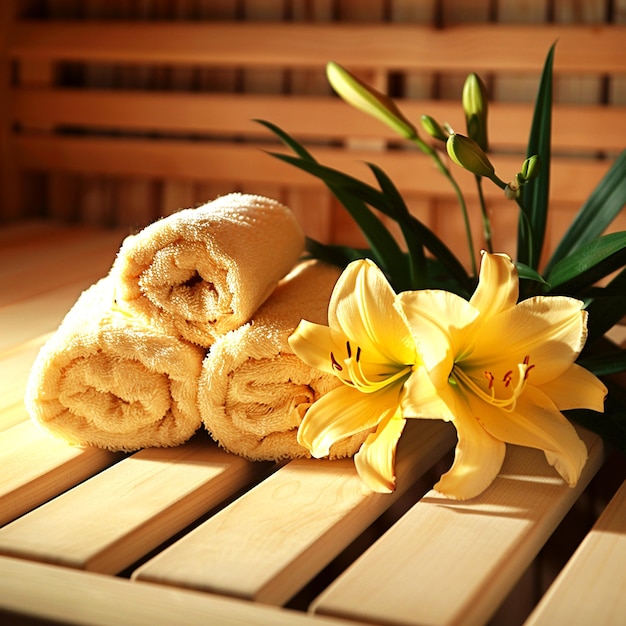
<point x="502" y="372"/>
<point x="369" y="347"/>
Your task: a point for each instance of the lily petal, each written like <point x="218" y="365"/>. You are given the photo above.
<point x="537" y="423"/>
<point x="313" y="343"/>
<point x="439" y="321"/>
<point x="362" y="309"/>
<point x="376" y="458"/>
<point x="498" y="285"/>
<point x="551" y="331"/>
<point x="478" y="458"/>
<point x="576" y="388"/>
<point x="342" y="412"/>
<point x="423" y="400"/>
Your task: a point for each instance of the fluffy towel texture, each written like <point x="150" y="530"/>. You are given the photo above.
<point x="106" y="379"/>
<point x="202" y="272"/>
<point x="253" y="391"/>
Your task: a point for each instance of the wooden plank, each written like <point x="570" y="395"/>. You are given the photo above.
<point x="129" y="509"/>
<point x="276" y="537"/>
<point x="571" y="181"/>
<point x="302" y="116"/>
<point x="38" y="315"/>
<point x="33" y="593"/>
<point x="15" y="364"/>
<point x="591" y="589"/>
<point x="74" y="266"/>
<point x="36" y="468"/>
<point x="462" y="558"/>
<point x="475" y="47"/>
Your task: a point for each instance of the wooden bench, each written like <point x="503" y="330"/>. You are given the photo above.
<point x="111" y="123"/>
<point x="89" y="536"/>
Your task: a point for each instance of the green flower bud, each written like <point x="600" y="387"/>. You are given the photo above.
<point x="368" y="100"/>
<point x="433" y="128"/>
<point x="475" y="106"/>
<point x="530" y="168"/>
<point x="469" y="155"/>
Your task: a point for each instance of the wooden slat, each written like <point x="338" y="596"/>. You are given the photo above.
<point x="275" y="538"/>
<point x="461" y="558"/>
<point x="55" y="258"/>
<point x="33" y="593"/>
<point x="15" y="364"/>
<point x="302" y="116"/>
<point x="36" y="468"/>
<point x="591" y="589"/>
<point x="475" y="47"/>
<point x="124" y="512"/>
<point x="37" y="315"/>
<point x="412" y="172"/>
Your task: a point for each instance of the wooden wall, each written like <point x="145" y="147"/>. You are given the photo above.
<point x="117" y="126"/>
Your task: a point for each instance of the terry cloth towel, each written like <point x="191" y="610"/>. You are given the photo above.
<point x="106" y="379"/>
<point x="205" y="271"/>
<point x="253" y="391"/>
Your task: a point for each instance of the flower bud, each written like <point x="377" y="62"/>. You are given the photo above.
<point x="475" y="107"/>
<point x="368" y="100"/>
<point x="469" y="155"/>
<point x="433" y="128"/>
<point x="530" y="168"/>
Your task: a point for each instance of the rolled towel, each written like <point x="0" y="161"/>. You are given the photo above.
<point x="253" y="391"/>
<point x="205" y="271"/>
<point x="106" y="379"/>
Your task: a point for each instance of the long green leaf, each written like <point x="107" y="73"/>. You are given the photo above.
<point x="610" y="425"/>
<point x="415" y="246"/>
<point x="335" y="254"/>
<point x="598" y="211"/>
<point x="607" y="307"/>
<point x="385" y="249"/>
<point x="605" y="364"/>
<point x="288" y="140"/>
<point x="589" y="264"/>
<point x="535" y="195"/>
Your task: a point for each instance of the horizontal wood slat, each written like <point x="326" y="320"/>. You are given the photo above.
<point x="501" y="47"/>
<point x="275" y="538"/>
<point x="236" y="163"/>
<point x="438" y="542"/>
<point x="130" y="508"/>
<point x="314" y="117"/>
<point x="592" y="586"/>
<point x="35" y="593"/>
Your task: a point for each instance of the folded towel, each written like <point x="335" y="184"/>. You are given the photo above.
<point x="205" y="271"/>
<point x="106" y="379"/>
<point x="253" y="391"/>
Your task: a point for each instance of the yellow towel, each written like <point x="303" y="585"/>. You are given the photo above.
<point x="253" y="391"/>
<point x="106" y="379"/>
<point x="205" y="271"/>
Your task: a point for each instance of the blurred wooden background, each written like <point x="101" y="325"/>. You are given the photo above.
<point x="118" y="112"/>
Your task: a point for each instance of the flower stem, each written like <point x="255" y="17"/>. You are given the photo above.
<point x="432" y="153"/>
<point x="485" y="216"/>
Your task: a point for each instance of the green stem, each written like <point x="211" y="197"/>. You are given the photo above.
<point x="426" y="149"/>
<point x="485" y="216"/>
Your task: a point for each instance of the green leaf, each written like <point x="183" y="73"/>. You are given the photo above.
<point x="385" y="249"/>
<point x="607" y="307"/>
<point x="534" y="195"/>
<point x="288" y="140"/>
<point x="528" y="273"/>
<point x="335" y="254"/>
<point x="588" y="264"/>
<point x="415" y="246"/>
<point x="610" y="425"/>
<point x="612" y="362"/>
<point x="597" y="213"/>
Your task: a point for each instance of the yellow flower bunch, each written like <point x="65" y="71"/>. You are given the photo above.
<point x="508" y="352"/>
